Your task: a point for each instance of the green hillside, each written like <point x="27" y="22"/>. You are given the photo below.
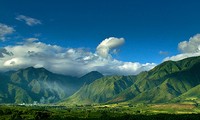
<point x="191" y="96"/>
<point x="101" y="90"/>
<point x="164" y="82"/>
<point x="168" y="82"/>
<point x="159" y="85"/>
<point x="31" y="84"/>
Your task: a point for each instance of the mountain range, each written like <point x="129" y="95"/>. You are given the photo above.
<point x="169" y="82"/>
<point x="40" y="85"/>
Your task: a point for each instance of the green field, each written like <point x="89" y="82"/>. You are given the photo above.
<point x="114" y="111"/>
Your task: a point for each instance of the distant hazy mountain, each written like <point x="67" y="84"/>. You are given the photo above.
<point x="164" y="83"/>
<point x="38" y="84"/>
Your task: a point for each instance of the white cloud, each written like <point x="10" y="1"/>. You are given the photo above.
<point x="5" y="30"/>
<point x="188" y="48"/>
<point x="116" y="67"/>
<point x="69" y="61"/>
<point x="28" y="20"/>
<point x="107" y="45"/>
<point x="182" y="56"/>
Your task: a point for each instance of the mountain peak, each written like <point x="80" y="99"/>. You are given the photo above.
<point x="35" y="69"/>
<point x="29" y="68"/>
<point x="91" y="76"/>
<point x="94" y="72"/>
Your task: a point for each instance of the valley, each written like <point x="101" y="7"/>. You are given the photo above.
<point x="99" y="112"/>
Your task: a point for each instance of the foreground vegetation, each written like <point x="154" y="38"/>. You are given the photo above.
<point x="104" y="112"/>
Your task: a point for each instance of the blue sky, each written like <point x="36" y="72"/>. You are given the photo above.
<point x="148" y="27"/>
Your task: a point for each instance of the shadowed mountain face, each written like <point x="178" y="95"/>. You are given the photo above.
<point x="90" y="77"/>
<point x="162" y="84"/>
<point x="38" y="84"/>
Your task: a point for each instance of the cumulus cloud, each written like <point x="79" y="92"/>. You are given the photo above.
<point x="188" y="48"/>
<point x="182" y="56"/>
<point x="28" y="20"/>
<point x="107" y="45"/>
<point x="5" y="30"/>
<point x="116" y="67"/>
<point x="68" y="61"/>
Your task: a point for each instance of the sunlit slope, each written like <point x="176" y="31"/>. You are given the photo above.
<point x="101" y="90"/>
<point x="159" y="85"/>
<point x="164" y="82"/>
<point x="191" y="96"/>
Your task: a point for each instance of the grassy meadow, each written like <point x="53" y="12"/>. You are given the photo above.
<point x="101" y="112"/>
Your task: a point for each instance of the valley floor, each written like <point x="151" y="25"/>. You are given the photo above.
<point x="104" y="112"/>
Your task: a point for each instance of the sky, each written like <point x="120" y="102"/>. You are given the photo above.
<point x="114" y="37"/>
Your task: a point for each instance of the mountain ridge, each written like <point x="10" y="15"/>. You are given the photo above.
<point x="159" y="85"/>
<point x="171" y="81"/>
<point x="38" y="84"/>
